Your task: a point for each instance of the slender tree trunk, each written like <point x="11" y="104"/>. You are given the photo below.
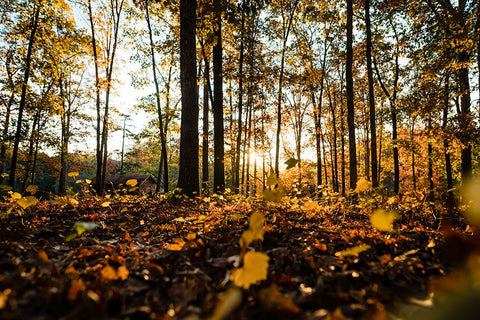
<point x="218" y="126"/>
<point x="21" y="107"/>
<point x="412" y="145"/>
<point x="236" y="176"/>
<point x="431" y="194"/>
<point x="334" y="143"/>
<point x="466" y="123"/>
<point x="188" y="167"/>
<point x="450" y="198"/>
<point x="122" y="155"/>
<point x="287" y="25"/>
<point x="6" y="125"/>
<point x="99" y="150"/>
<point x="371" y="98"/>
<point x="163" y="142"/>
<point x="62" y="182"/>
<point x="205" y="177"/>
<point x="350" y="102"/>
<point x="342" y="133"/>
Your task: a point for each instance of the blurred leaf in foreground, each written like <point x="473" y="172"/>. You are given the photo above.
<point x="255" y="265"/>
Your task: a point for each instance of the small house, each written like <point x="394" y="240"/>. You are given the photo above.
<point x="145" y="182"/>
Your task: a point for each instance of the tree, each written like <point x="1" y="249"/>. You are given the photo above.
<point x="350" y="101"/>
<point x="28" y="60"/>
<point x="159" y="108"/>
<point x="188" y="174"/>
<point x="371" y="96"/>
<point x="218" y="130"/>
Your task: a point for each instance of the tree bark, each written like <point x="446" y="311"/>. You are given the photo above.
<point x="236" y="165"/>
<point x="287" y="25"/>
<point x="350" y="101"/>
<point x="188" y="167"/>
<point x="21" y="107"/>
<point x="205" y="170"/>
<point x="163" y="141"/>
<point x="371" y="98"/>
<point x="218" y="126"/>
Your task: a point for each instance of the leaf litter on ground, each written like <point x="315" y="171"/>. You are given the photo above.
<point x="156" y="259"/>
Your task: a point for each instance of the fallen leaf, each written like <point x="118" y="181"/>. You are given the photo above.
<point x="27" y="201"/>
<point x="229" y="301"/>
<point x="108" y="273"/>
<point x="42" y="255"/>
<point x="76" y="287"/>
<point x="255" y="230"/>
<point x="354" y="251"/>
<point x="32" y="189"/>
<point x="122" y="272"/>
<point x="255" y="265"/>
<point x="275" y="301"/>
<point x="131" y="182"/>
<point x="383" y="220"/>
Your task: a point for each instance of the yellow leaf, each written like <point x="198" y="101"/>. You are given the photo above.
<point x="105" y="204"/>
<point x="355" y="251"/>
<point x="255" y="265"/>
<point x="273" y="180"/>
<point x="191" y="236"/>
<point x="132" y="182"/>
<point x="275" y="301"/>
<point x="76" y="287"/>
<point x="88" y="181"/>
<point x="310" y="206"/>
<point x="16" y="195"/>
<point x="383" y="220"/>
<point x="177" y="245"/>
<point x="27" y="201"/>
<point x="363" y="185"/>
<point x="79" y="181"/>
<point x="109" y="273"/>
<point x="32" y="189"/>
<point x="391" y="200"/>
<point x="73" y="174"/>
<point x="42" y="255"/>
<point x="229" y="301"/>
<point x="255" y="230"/>
<point x="122" y="272"/>
<point x="72" y="201"/>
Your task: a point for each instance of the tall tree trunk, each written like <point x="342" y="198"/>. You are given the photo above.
<point x="412" y="145"/>
<point x="218" y="126"/>
<point x="205" y="177"/>
<point x="21" y="107"/>
<point x="31" y="150"/>
<point x="236" y="165"/>
<point x="65" y="121"/>
<point x="371" y="98"/>
<point x="188" y="167"/>
<point x="287" y="25"/>
<point x="342" y="133"/>
<point x="116" y="12"/>
<point x="334" y="142"/>
<point x="6" y="125"/>
<point x="350" y="102"/>
<point x="392" y="98"/>
<point x="450" y="198"/>
<point x="99" y="187"/>
<point x="431" y="194"/>
<point x="466" y="123"/>
<point x="163" y="140"/>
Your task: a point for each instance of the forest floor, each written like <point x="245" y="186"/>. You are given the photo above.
<point x="137" y="258"/>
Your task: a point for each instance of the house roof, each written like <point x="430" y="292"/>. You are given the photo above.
<point x="123" y="178"/>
